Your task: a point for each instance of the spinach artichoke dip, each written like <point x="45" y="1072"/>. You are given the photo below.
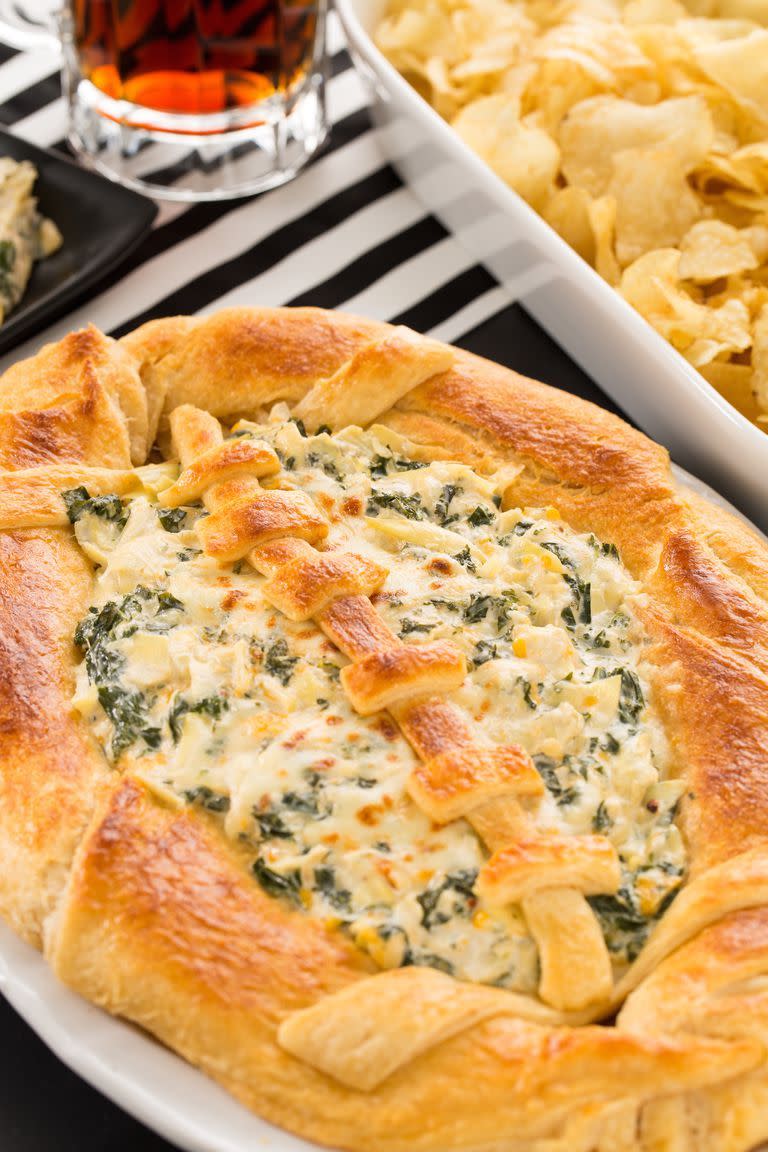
<point x="191" y="680"/>
<point x="25" y="235"/>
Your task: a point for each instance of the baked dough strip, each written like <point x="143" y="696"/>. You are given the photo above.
<point x="275" y="529"/>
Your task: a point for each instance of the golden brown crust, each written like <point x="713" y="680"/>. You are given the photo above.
<point x="161" y="924"/>
<point x="231" y="533"/>
<point x="80" y="400"/>
<point x="308" y="583"/>
<point x="180" y="901"/>
<point x="451" y="785"/>
<point x="388" y="677"/>
<point x="589" y="862"/>
<point x="159" y="920"/>
<point x="48" y="764"/>
<point x="265" y="355"/>
<point x="596" y="469"/>
<point x="714" y="707"/>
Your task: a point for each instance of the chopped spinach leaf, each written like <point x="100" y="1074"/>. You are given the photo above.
<point x="144" y="608"/>
<point x="451" y="605"/>
<point x="127" y="710"/>
<point x="481" y="516"/>
<point x="624" y="925"/>
<point x="547" y="769"/>
<point x="581" y="592"/>
<point x="207" y="798"/>
<point x="301" y="802"/>
<point x="429" y="960"/>
<point x="187" y="554"/>
<point x="465" y="559"/>
<point x="172" y="519"/>
<point x="631" y="701"/>
<point x="79" y="502"/>
<point x="315" y="460"/>
<point x="619" y="912"/>
<point x="443" y="502"/>
<point x="378" y="465"/>
<point x="453" y="896"/>
<point x="325" y="882"/>
<point x="271" y="825"/>
<point x="485" y="650"/>
<point x="406" y="505"/>
<point x="478" y="607"/>
<point x="505" y="606"/>
<point x="526" y="689"/>
<point x="568" y="617"/>
<point x="559" y="551"/>
<point x="278" y="663"/>
<point x="407" y="626"/>
<point x="274" y="884"/>
<point x="207" y="706"/>
<point x="568" y="796"/>
<point x="601" y="821"/>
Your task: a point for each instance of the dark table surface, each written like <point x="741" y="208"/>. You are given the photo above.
<point x="44" y="1107"/>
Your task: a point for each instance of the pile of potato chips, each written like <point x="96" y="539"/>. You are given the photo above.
<point x="639" y="131"/>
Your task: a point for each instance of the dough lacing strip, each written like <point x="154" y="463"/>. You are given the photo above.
<point x="274" y="529"/>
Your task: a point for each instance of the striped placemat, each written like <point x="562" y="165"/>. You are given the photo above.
<point x="346" y="233"/>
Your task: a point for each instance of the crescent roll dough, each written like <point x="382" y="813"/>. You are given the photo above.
<point x="395" y="749"/>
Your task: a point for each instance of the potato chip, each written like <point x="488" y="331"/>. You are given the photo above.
<point x="603" y="50"/>
<point x="752" y="10"/>
<point x="641" y="283"/>
<point x="528" y="159"/>
<point x="757" y="238"/>
<point x="760" y="360"/>
<point x="602" y="217"/>
<point x="478" y="124"/>
<point x="641" y="227"/>
<point x="597" y="129"/>
<point x="734" y="382"/>
<point x="743" y="288"/>
<point x="553" y="90"/>
<point x="751" y="162"/>
<point x="654" y="12"/>
<point x="712" y="249"/>
<point x="639" y="129"/>
<point x="740" y="66"/>
<point x="567" y="211"/>
<point x="523" y="155"/>
<point x="652" y="285"/>
<point x="414" y="27"/>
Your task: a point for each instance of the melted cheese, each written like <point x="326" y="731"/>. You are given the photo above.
<point x="215" y="698"/>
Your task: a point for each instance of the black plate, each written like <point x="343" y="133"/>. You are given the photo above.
<point x="100" y="222"/>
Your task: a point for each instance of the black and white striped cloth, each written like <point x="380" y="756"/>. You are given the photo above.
<point x="344" y="234"/>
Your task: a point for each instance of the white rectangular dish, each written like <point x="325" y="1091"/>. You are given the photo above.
<point x="651" y="381"/>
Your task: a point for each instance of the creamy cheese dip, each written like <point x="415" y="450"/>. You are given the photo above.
<point x="191" y="680"/>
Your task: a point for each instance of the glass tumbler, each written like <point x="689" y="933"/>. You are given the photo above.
<point x="191" y="99"/>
